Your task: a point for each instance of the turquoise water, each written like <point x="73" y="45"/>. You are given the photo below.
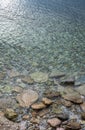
<point x="42" y="35"/>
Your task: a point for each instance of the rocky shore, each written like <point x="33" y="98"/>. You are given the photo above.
<point x="42" y="101"/>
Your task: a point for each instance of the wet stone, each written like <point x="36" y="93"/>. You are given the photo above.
<point x="56" y="74"/>
<point x="66" y="103"/>
<point x="67" y="81"/>
<point x="81" y="89"/>
<point x="27" y="80"/>
<point x="38" y="106"/>
<point x="39" y="77"/>
<point x="54" y="122"/>
<point x="83" y="115"/>
<point x="83" y="106"/>
<point x="27" y="97"/>
<point x="47" y="101"/>
<point x="2" y="75"/>
<point x="13" y="73"/>
<point x="51" y="94"/>
<point x="73" y="126"/>
<point x="80" y="79"/>
<point x="10" y="114"/>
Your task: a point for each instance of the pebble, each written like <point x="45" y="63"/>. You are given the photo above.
<point x="54" y="122"/>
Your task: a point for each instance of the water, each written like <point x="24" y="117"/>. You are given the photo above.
<point x="42" y="35"/>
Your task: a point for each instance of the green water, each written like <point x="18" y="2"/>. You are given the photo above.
<point x="42" y="35"/>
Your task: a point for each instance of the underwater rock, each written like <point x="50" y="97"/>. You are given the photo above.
<point x="67" y="81"/>
<point x="27" y="97"/>
<point x="56" y="74"/>
<point x="72" y="125"/>
<point x="27" y="80"/>
<point x="54" y="122"/>
<point x="39" y="77"/>
<point x="80" y="79"/>
<point x="47" y="101"/>
<point x="83" y="106"/>
<point x="10" y="114"/>
<point x="38" y="106"/>
<point x="81" y="89"/>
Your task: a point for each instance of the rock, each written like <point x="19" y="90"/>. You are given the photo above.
<point x="17" y="89"/>
<point x="27" y="97"/>
<point x="83" y="115"/>
<point x="35" y="121"/>
<point x="60" y="129"/>
<point x="38" y="106"/>
<point x="51" y="94"/>
<point x="5" y="124"/>
<point x="39" y="77"/>
<point x="47" y="101"/>
<point x="10" y="114"/>
<point x="73" y="126"/>
<point x="27" y="80"/>
<point x="43" y="112"/>
<point x="13" y="74"/>
<point x="25" y="117"/>
<point x="81" y="89"/>
<point x="67" y="81"/>
<point x="56" y="74"/>
<point x="54" y="122"/>
<point x="63" y="116"/>
<point x="83" y="107"/>
<point x="80" y="79"/>
<point x="2" y="75"/>
<point x="7" y="89"/>
<point x="66" y="103"/>
<point x="73" y="96"/>
<point x="8" y="102"/>
<point x="22" y="125"/>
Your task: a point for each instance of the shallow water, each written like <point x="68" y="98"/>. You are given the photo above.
<point x="42" y="35"/>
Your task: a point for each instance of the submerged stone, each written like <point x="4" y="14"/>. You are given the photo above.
<point x="79" y="80"/>
<point x="38" y="106"/>
<point x="27" y="80"/>
<point x="27" y="97"/>
<point x="39" y="77"/>
<point x="81" y="89"/>
<point x="54" y="122"/>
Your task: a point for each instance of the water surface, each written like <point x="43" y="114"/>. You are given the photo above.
<point x="42" y="35"/>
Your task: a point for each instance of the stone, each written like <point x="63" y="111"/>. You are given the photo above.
<point x="63" y="116"/>
<point x="47" y="101"/>
<point x="27" y="97"/>
<point x="10" y="114"/>
<point x="35" y="121"/>
<point x="8" y="102"/>
<point x="60" y="128"/>
<point x="17" y="89"/>
<point x="25" y="117"/>
<point x="54" y="122"/>
<point x="13" y="74"/>
<point x="56" y="74"/>
<point x="27" y="80"/>
<point x="7" y="89"/>
<point x="67" y="81"/>
<point x="39" y="77"/>
<point x="83" y="106"/>
<point x="2" y="75"/>
<point x="66" y="103"/>
<point x="38" y="106"/>
<point x="80" y="79"/>
<point x="72" y="95"/>
<point x="51" y="94"/>
<point x="83" y="115"/>
<point x="81" y="89"/>
<point x="73" y="126"/>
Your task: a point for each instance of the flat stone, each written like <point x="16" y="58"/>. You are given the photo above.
<point x="47" y="101"/>
<point x="83" y="106"/>
<point x="54" y="122"/>
<point x="27" y="97"/>
<point x="73" y="126"/>
<point x="56" y="74"/>
<point x="51" y="94"/>
<point x="67" y="81"/>
<point x="27" y="80"/>
<point x="39" y="77"/>
<point x="60" y="129"/>
<point x="7" y="89"/>
<point x="2" y="75"/>
<point x="81" y="89"/>
<point x="10" y="114"/>
<point x="13" y="74"/>
<point x="66" y="103"/>
<point x="83" y="115"/>
<point x="38" y="106"/>
<point x="73" y="96"/>
<point x="80" y="79"/>
<point x="17" y="89"/>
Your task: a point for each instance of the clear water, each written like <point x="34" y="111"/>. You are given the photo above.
<point x="42" y="35"/>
